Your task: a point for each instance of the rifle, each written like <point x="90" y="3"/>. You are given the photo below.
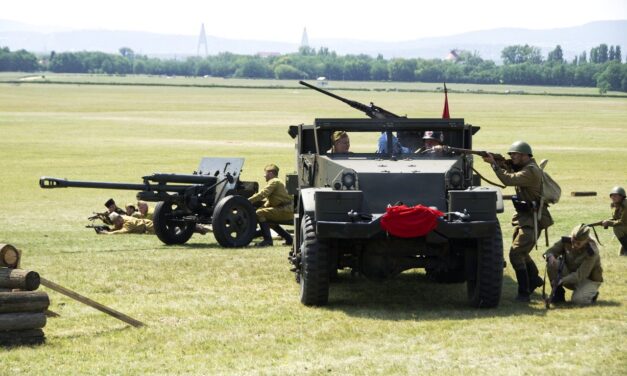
<point x="482" y="153"/>
<point x="99" y="228"/>
<point x="373" y="111"/>
<point x="593" y="225"/>
<point x="104" y="217"/>
<point x="554" y="284"/>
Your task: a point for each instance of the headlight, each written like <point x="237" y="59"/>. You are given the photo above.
<point x="348" y="180"/>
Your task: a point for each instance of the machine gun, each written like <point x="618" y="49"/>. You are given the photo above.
<point x="373" y="111"/>
<point x="99" y="228"/>
<point x="212" y="195"/>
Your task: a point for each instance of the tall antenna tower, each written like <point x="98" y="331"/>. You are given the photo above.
<point x="202" y="40"/>
<point x="304" y="41"/>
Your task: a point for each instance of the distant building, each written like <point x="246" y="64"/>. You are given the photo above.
<point x="268" y="54"/>
<point x="304" y="40"/>
<point x="453" y="55"/>
<point x="202" y="40"/>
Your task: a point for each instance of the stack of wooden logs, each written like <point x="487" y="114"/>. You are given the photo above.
<point x="22" y="309"/>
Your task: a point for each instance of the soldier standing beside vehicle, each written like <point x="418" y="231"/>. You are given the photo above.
<point x="581" y="267"/>
<point x="532" y="214"/>
<point x="277" y="207"/>
<point x="618" y="222"/>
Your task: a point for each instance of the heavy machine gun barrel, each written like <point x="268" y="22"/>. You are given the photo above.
<point x="373" y="111"/>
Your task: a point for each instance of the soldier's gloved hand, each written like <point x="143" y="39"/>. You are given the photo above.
<point x="605" y="223"/>
<point x="489" y="158"/>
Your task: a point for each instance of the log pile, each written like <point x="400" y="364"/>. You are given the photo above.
<point x="22" y="309"/>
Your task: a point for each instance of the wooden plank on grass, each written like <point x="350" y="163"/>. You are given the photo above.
<point x="85" y="300"/>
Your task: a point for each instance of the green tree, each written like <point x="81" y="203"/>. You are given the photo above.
<point x="556" y="56"/>
<point x="284" y="71"/>
<point x="402" y="69"/>
<point x="518" y="54"/>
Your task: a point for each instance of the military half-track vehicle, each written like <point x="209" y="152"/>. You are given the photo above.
<point x="341" y="199"/>
<point x="212" y="195"/>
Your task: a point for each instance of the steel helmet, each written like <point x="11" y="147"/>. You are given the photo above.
<point x="520" y="147"/>
<point x="618" y="190"/>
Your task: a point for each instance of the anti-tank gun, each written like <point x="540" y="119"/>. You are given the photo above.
<point x="343" y="198"/>
<point x="212" y="195"/>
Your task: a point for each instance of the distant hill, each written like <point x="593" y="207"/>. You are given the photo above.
<point x="488" y="43"/>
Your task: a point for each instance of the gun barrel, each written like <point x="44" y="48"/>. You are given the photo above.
<point x="49" y="183"/>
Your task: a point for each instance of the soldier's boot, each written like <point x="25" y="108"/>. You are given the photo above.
<point x="560" y="295"/>
<point x="623" y="248"/>
<point x="523" y="285"/>
<point x="284" y="234"/>
<point x="534" y="277"/>
<point x="267" y="237"/>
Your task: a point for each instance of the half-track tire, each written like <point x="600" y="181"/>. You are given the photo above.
<point x="168" y="231"/>
<point x="314" y="269"/>
<point x="234" y="222"/>
<point x="485" y="271"/>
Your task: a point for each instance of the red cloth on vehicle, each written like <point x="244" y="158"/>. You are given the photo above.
<point x="410" y="222"/>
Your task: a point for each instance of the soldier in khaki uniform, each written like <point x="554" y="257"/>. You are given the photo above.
<point x="522" y="172"/>
<point x="618" y="222"/>
<point x="341" y="142"/>
<point x="277" y="206"/>
<point x="145" y="211"/>
<point x="129" y="225"/>
<point x="582" y="271"/>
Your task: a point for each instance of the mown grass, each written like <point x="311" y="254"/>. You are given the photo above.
<point x="211" y="310"/>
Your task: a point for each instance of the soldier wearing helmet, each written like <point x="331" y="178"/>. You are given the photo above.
<point x="277" y="207"/>
<point x="582" y="271"/>
<point x="618" y="222"/>
<point x="523" y="173"/>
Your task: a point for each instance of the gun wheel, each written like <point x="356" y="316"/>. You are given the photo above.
<point x="234" y="222"/>
<point x="167" y="228"/>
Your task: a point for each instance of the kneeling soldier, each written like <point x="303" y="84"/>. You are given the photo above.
<point x="129" y="225"/>
<point x="582" y="271"/>
<point x="277" y="207"/>
<point x="618" y="222"/>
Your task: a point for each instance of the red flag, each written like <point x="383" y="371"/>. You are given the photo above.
<point x="410" y="222"/>
<point x="445" y="114"/>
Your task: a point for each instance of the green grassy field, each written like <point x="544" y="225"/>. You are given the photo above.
<point x="211" y="310"/>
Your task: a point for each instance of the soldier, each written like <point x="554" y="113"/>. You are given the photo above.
<point x="532" y="214"/>
<point x="341" y="142"/>
<point x="433" y="143"/>
<point x="124" y="224"/>
<point x="131" y="211"/>
<point x="397" y="148"/>
<point x="277" y="207"/>
<point x="618" y="222"/>
<point x="145" y="211"/>
<point x="112" y="207"/>
<point x="581" y="267"/>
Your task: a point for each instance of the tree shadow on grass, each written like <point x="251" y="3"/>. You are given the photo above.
<point x="411" y="296"/>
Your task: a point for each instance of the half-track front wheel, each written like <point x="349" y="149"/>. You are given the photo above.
<point x="485" y="271"/>
<point x="314" y="269"/>
<point x="234" y="222"/>
<point x="167" y="228"/>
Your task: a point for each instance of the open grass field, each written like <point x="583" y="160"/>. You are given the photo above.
<point x="211" y="310"/>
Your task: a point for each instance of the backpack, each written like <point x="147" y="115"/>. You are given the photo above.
<point x="551" y="191"/>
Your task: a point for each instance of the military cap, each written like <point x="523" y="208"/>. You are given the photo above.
<point x="114" y="216"/>
<point x="580" y="232"/>
<point x="337" y="135"/>
<point x="109" y="203"/>
<point x="520" y="147"/>
<point x="272" y="167"/>
<point x="433" y="135"/>
<point x="130" y="204"/>
<point x="618" y="191"/>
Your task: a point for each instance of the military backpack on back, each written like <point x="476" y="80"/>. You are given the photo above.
<point x="551" y="191"/>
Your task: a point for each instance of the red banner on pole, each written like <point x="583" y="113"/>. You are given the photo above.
<point x="445" y="114"/>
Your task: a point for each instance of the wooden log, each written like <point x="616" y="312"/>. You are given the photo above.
<point x="583" y="194"/>
<point x="22" y="320"/>
<point x="19" y="279"/>
<point x="22" y="337"/>
<point x="24" y="301"/>
<point x="9" y="256"/>
<point x="85" y="300"/>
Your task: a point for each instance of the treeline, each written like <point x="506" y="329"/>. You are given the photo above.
<point x="522" y="64"/>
